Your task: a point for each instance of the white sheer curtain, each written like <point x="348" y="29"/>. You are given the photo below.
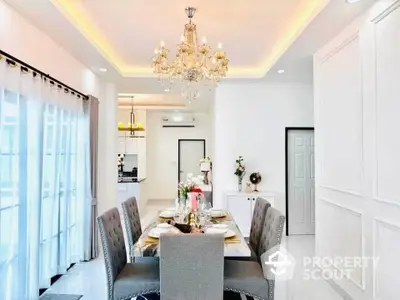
<point x="44" y="182"/>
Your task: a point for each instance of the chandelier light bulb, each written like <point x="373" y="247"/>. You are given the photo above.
<point x="182" y="38"/>
<point x="204" y="40"/>
<point x="155" y="51"/>
<point x="162" y="43"/>
<point x="219" y="46"/>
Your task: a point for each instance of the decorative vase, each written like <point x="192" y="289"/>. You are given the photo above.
<point x="240" y="184"/>
<point x="181" y="201"/>
<point x="193" y="201"/>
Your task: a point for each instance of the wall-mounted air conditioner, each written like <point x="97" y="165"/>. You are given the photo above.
<point x="178" y="121"/>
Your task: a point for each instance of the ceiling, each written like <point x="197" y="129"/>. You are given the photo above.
<point x="165" y="101"/>
<point x="127" y="32"/>
<point x="297" y="60"/>
<point x="265" y="36"/>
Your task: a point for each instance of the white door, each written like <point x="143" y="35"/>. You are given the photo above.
<point x="190" y="154"/>
<point x="301" y="199"/>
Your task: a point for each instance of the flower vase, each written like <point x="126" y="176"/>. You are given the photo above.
<point x="193" y="200"/>
<point x="240" y="179"/>
<point x="181" y="202"/>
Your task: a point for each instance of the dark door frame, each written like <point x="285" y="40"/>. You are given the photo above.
<point x="179" y="152"/>
<point x="287" y="129"/>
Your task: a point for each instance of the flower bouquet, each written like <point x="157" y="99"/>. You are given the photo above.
<point x="186" y="187"/>
<point x="190" y="191"/>
<point x="240" y="171"/>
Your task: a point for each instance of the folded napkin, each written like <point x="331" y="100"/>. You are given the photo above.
<point x="150" y="249"/>
<point x="233" y="240"/>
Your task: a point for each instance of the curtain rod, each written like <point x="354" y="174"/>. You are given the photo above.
<point x="9" y="56"/>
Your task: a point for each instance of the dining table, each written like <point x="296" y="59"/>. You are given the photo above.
<point x="234" y="246"/>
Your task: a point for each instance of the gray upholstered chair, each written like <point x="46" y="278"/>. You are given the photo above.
<point x="257" y="222"/>
<point x="133" y="227"/>
<point x="250" y="277"/>
<point x="191" y="267"/>
<point x="124" y="280"/>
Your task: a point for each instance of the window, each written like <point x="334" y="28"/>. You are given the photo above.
<point x="43" y="196"/>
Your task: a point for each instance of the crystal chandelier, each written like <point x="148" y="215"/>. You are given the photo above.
<point x="194" y="64"/>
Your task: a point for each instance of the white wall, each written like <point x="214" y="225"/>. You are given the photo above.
<point x="21" y="39"/>
<point x="250" y="120"/>
<point x="162" y="152"/>
<point x="357" y="110"/>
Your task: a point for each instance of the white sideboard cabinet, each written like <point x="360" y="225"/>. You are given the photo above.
<point x="241" y="206"/>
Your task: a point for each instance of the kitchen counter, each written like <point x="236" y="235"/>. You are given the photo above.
<point x="128" y="189"/>
<point x="139" y="180"/>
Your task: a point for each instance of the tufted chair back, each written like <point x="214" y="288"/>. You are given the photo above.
<point x="112" y="241"/>
<point x="271" y="235"/>
<point x="132" y="221"/>
<point x="257" y="222"/>
<point x="191" y="267"/>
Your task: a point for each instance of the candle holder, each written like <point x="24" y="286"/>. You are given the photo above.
<point x="192" y="218"/>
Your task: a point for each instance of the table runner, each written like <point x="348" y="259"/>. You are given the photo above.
<point x="234" y="247"/>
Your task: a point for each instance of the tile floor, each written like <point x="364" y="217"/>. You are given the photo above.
<point x="88" y="279"/>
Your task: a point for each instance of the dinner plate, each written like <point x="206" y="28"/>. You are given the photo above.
<point x="213" y="230"/>
<point x="164" y="225"/>
<point x="218" y="213"/>
<point x="167" y="214"/>
<point x="156" y="232"/>
<point x="228" y="233"/>
<point x="222" y="226"/>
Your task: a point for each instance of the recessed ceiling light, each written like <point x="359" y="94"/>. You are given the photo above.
<point x="103" y="70"/>
<point x="281" y="71"/>
<point x="353" y="1"/>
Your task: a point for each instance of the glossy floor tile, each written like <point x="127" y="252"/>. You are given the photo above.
<point x="89" y="279"/>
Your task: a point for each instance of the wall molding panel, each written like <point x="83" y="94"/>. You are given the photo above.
<point x="334" y="189"/>
<point x="356" y="99"/>
<point x="386" y="12"/>
<point x="381" y="224"/>
<point x="352" y="38"/>
<point x="359" y="217"/>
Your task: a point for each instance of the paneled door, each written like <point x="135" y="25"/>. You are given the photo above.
<point x="190" y="152"/>
<point x="301" y="182"/>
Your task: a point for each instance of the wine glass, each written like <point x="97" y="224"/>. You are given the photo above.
<point x="202" y="219"/>
<point x="179" y="213"/>
<point x="208" y="209"/>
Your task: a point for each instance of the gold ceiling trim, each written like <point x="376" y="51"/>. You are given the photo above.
<point x="76" y="15"/>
